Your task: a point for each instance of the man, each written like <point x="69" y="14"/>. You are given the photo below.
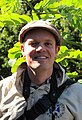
<point x="27" y="94"/>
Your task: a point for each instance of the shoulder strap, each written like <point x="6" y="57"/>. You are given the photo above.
<point x="43" y="104"/>
<point x="60" y="89"/>
<point x="26" y="85"/>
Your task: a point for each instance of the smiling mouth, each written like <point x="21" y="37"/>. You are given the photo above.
<point x="40" y="58"/>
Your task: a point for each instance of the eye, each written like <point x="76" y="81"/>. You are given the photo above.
<point x="48" y="44"/>
<point x="34" y="44"/>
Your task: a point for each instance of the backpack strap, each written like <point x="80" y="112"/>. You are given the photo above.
<point x="43" y="104"/>
<point x="26" y="85"/>
<point x="60" y="89"/>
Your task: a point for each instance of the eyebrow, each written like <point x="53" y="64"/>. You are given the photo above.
<point x="49" y="40"/>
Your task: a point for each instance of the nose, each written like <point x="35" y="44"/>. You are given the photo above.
<point x="40" y="48"/>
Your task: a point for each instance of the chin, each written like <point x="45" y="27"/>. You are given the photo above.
<point x="39" y="66"/>
<point x="36" y="66"/>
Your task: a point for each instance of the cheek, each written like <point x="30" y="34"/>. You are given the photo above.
<point x="26" y="52"/>
<point x="56" y="50"/>
<point x="29" y="52"/>
<point x="53" y="54"/>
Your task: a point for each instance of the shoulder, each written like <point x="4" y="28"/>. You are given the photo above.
<point x="9" y="77"/>
<point x="77" y="86"/>
<point x="74" y="91"/>
<point x="8" y="80"/>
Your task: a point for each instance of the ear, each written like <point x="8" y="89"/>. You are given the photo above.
<point x="57" y="49"/>
<point x="22" y="49"/>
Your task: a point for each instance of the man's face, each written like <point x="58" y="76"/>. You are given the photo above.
<point x="40" y="49"/>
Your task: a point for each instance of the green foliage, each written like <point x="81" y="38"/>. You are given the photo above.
<point x="15" y="56"/>
<point x="8" y="36"/>
<point x="65" y="15"/>
<point x="15" y="51"/>
<point x="9" y="6"/>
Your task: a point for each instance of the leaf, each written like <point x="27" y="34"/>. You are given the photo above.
<point x="17" y="44"/>
<point x="1" y="24"/>
<point x="63" y="49"/>
<point x="72" y="74"/>
<point x="9" y="6"/>
<point x="18" y="54"/>
<point x="15" y="17"/>
<point x="15" y="52"/>
<point x="4" y="18"/>
<point x="75" y="54"/>
<point x="41" y="4"/>
<point x="35" y="16"/>
<point x="57" y="16"/>
<point x="17" y="63"/>
<point x="25" y="18"/>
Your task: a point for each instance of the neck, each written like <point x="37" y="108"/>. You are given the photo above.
<point x="39" y="77"/>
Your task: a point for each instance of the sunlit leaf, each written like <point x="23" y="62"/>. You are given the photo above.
<point x="34" y="15"/>
<point x="62" y="49"/>
<point x="72" y="74"/>
<point x="25" y="18"/>
<point x="17" y="63"/>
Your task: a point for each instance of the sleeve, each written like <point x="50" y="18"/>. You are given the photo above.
<point x="12" y="103"/>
